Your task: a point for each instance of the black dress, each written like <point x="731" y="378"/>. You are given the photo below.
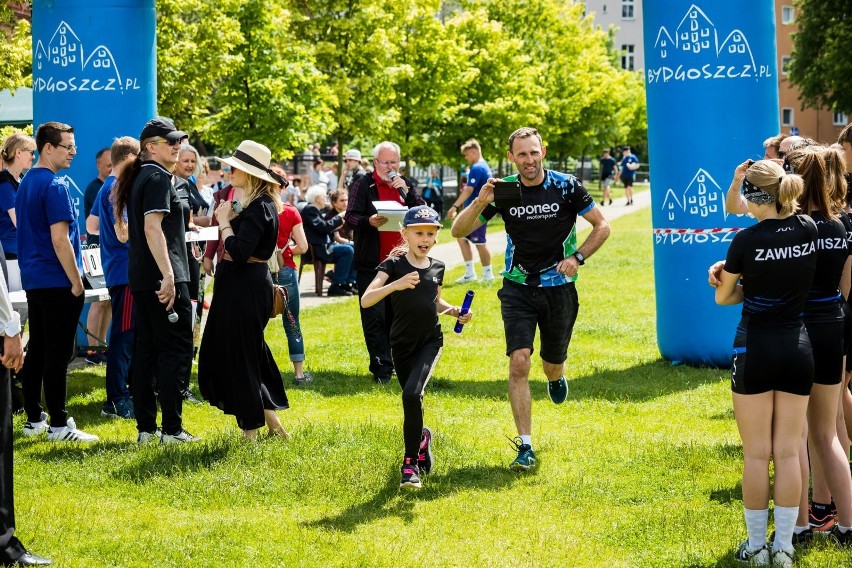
<point x="236" y="371"/>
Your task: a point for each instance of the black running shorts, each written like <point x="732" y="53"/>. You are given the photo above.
<point x="769" y="358"/>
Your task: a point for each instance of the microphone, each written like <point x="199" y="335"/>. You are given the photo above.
<point x="465" y="307"/>
<point x="171" y="313"/>
<point x="393" y="175"/>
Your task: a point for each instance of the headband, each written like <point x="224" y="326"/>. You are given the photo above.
<point x="243" y="157"/>
<point x="756" y="195"/>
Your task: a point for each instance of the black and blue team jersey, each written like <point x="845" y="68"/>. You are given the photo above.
<point x="542" y="230"/>
<point x="832" y="252"/>
<point x="777" y="259"/>
<point x="415" y="312"/>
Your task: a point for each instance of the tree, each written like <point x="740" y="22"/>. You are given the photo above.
<point x="16" y="64"/>
<point x="194" y="44"/>
<point x="273" y="93"/>
<point x="821" y="58"/>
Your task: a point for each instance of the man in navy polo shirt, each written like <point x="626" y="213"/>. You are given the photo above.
<point x="51" y="266"/>
<point x="113" y="239"/>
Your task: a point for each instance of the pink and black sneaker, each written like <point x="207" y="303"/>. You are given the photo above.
<point x="424" y="458"/>
<point x="410" y="475"/>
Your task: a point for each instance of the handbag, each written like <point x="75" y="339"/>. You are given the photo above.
<point x="279" y="301"/>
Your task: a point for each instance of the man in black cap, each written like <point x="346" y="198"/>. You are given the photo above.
<point x="158" y="275"/>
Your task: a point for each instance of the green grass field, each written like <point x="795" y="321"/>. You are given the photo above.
<point x="640" y="467"/>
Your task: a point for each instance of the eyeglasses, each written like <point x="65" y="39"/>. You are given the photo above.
<point x="386" y="163"/>
<point x="69" y="147"/>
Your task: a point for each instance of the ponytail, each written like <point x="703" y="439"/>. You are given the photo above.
<point x="789" y="190"/>
<point x="121" y="190"/>
<point x="809" y="164"/>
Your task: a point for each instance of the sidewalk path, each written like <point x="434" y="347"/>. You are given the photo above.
<point x="447" y="250"/>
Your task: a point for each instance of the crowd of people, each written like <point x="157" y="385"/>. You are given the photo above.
<point x="789" y="383"/>
<point x="791" y="272"/>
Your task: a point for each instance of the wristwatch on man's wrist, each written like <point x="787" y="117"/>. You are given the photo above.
<point x="580" y="258"/>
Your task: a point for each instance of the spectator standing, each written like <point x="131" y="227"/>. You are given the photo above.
<point x="12" y="550"/>
<point x="353" y="171"/>
<point x="433" y="191"/>
<point x="318" y="174"/>
<point x="371" y="245"/>
<point x="17" y="154"/>
<point x="158" y="275"/>
<point x="333" y="180"/>
<point x="114" y="258"/>
<point x="51" y="264"/>
<point x="236" y="370"/>
<point x="102" y="163"/>
<point x="629" y="165"/>
<point x="607" y="169"/>
<point x="290" y="227"/>
<point x="477" y="176"/>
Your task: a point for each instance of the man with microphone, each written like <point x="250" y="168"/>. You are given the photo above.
<point x="373" y="246"/>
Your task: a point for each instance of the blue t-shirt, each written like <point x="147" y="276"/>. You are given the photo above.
<point x="43" y="199"/>
<point x="476" y="178"/>
<point x="8" y="232"/>
<point x="113" y="252"/>
<point x="625" y="171"/>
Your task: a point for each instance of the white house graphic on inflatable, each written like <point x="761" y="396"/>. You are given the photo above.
<point x="697" y="37"/>
<point x="702" y="198"/>
<point x="63" y="65"/>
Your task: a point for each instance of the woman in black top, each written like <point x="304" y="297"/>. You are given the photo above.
<point x="824" y="319"/>
<point x="772" y="365"/>
<point x="236" y="371"/>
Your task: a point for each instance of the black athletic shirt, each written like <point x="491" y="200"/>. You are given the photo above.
<point x="832" y="252"/>
<point x="154" y="192"/>
<point x="777" y="259"/>
<point x="415" y="313"/>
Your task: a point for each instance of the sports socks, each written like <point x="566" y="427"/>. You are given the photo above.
<point x="468" y="268"/>
<point x="486" y="272"/>
<point x="756" y="522"/>
<point x="785" y="521"/>
<point x="527" y="439"/>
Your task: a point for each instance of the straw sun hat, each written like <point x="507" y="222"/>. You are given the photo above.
<point x="254" y="159"/>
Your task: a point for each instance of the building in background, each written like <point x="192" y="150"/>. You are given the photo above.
<point x="626" y="16"/>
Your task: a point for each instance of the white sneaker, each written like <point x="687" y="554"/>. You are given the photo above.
<point x="36" y="428"/>
<point x="182" y="437"/>
<point x="69" y="433"/>
<point x="145" y="437"/>
<point x="781" y="557"/>
<point x="488" y="279"/>
<point x="466" y="278"/>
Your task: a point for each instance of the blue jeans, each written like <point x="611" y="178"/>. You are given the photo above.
<point x="295" y="342"/>
<point x="344" y="272"/>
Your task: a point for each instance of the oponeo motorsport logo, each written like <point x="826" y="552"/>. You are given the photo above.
<point x="535" y="212"/>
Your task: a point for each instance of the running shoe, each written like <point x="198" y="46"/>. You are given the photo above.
<point x="181" y="437"/>
<point x="843" y="538"/>
<point x="526" y="457"/>
<point x="69" y="433"/>
<point x="467" y="278"/>
<point x="410" y="475"/>
<point x="820" y="519"/>
<point x="803" y="538"/>
<point x="782" y="558"/>
<point x="122" y="408"/>
<point x="145" y="437"/>
<point x="425" y="458"/>
<point x="305" y="378"/>
<point x="759" y="557"/>
<point x="189" y="397"/>
<point x="36" y="428"/>
<point x="558" y="390"/>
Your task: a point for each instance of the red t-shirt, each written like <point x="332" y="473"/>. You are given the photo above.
<point x="388" y="239"/>
<point x="287" y="219"/>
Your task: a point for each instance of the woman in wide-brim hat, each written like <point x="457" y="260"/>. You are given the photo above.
<point x="236" y="371"/>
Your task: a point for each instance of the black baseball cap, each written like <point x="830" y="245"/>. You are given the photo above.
<point x="164" y="128"/>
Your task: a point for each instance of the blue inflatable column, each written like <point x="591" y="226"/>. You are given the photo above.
<point x="712" y="91"/>
<point x="95" y="68"/>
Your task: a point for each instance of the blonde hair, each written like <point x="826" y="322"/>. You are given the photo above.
<point x="835" y="170"/>
<point x="772" y="179"/>
<point x="256" y="187"/>
<point x="15" y="142"/>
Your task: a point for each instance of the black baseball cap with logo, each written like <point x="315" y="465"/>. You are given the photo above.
<point x="164" y="128"/>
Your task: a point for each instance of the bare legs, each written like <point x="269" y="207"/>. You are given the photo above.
<point x="519" y="387"/>
<point x="274" y="425"/>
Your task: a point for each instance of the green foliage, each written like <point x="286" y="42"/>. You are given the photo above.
<point x="195" y="40"/>
<point x="821" y="58"/>
<point x="6" y="131"/>
<point x="272" y="93"/>
<point x="16" y="61"/>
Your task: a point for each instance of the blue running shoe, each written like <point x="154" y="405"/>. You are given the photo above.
<point x="526" y="457"/>
<point x="558" y="390"/>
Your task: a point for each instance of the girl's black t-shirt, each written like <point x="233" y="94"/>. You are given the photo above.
<point x="832" y="252"/>
<point x="415" y="313"/>
<point x="777" y="259"/>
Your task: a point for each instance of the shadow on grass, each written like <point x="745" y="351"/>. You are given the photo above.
<point x="391" y="501"/>
<point x="728" y="494"/>
<point x="640" y="383"/>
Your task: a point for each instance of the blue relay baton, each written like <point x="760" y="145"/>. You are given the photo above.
<point x="468" y="300"/>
